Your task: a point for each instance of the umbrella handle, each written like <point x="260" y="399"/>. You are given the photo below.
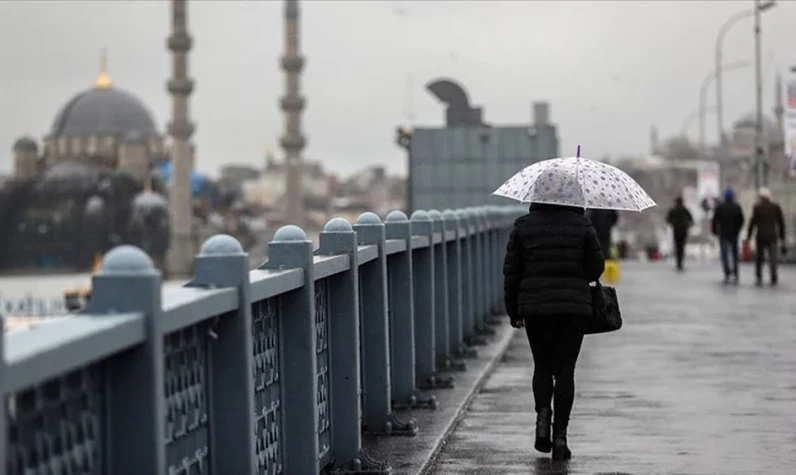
<point x="578" y="153"/>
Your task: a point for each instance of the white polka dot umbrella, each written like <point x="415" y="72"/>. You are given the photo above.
<point x="576" y="181"/>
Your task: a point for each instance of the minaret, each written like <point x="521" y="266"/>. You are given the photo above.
<point x="180" y="86"/>
<point x="653" y="140"/>
<point x="292" y="103"/>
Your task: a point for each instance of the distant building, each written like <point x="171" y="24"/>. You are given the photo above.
<point x="89" y="187"/>
<point x="102" y="127"/>
<point x="462" y="163"/>
<point x="269" y="192"/>
<point x="370" y="189"/>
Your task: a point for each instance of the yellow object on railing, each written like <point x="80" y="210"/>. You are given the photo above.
<point x="612" y="271"/>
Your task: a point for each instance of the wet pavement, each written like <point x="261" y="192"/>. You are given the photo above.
<point x="410" y="455"/>
<point x="701" y="379"/>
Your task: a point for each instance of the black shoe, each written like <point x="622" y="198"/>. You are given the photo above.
<point x="543" y="419"/>
<point x="560" y="449"/>
<point x="759" y="282"/>
<point x="774" y="282"/>
<point x="727" y="279"/>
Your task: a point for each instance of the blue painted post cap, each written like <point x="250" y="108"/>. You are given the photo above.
<point x="338" y="225"/>
<point x="290" y="233"/>
<point x="127" y="260"/>
<point x="420" y="215"/>
<point x="450" y="215"/>
<point x="435" y="215"/>
<point x="221" y="245"/>
<point x="370" y="219"/>
<point x="397" y="217"/>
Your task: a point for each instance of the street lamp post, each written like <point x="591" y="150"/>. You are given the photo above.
<point x="760" y="176"/>
<point x="703" y="91"/>
<point x="759" y="8"/>
<point x="719" y="43"/>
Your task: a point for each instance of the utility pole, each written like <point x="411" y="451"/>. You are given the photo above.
<point x="760" y="178"/>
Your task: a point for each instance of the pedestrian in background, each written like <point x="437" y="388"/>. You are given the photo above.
<point x="768" y="226"/>
<point x="552" y="254"/>
<point x="680" y="219"/>
<point x="727" y="224"/>
<point x="604" y="221"/>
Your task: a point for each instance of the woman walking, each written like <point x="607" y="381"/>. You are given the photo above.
<point x="552" y="254"/>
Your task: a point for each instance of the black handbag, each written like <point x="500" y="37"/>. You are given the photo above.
<point x="606" y="316"/>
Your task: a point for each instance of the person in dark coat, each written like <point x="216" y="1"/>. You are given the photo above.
<point x="727" y="224"/>
<point x="603" y="221"/>
<point x="552" y="255"/>
<point x="680" y="219"/>
<point x="769" y="224"/>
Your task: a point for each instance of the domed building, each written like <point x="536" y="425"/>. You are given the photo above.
<point x="104" y="127"/>
<point x="78" y="194"/>
<point x="744" y="130"/>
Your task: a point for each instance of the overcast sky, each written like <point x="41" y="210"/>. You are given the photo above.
<point x="609" y="69"/>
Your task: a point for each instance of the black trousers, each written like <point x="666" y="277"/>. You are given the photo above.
<point x="680" y="238"/>
<point x="729" y="255"/>
<point x="555" y="344"/>
<point x="766" y="248"/>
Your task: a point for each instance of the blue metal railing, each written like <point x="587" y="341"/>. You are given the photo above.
<point x="277" y="370"/>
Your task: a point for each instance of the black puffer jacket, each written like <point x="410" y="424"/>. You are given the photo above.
<point x="552" y="255"/>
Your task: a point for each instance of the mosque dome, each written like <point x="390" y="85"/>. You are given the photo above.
<point x="103" y="110"/>
<point x="749" y="121"/>
<point x="746" y="125"/>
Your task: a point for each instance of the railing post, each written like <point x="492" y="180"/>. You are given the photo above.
<point x="481" y="282"/>
<point x="222" y="263"/>
<point x="467" y="270"/>
<point x="486" y="253"/>
<point x="291" y="249"/>
<point x="423" y="280"/>
<point x="339" y="238"/>
<point x="402" y="321"/>
<point x="500" y="246"/>
<point x="129" y="282"/>
<point x="506" y="223"/>
<point x="492" y="259"/>
<point x="378" y="417"/>
<point x="441" y="288"/>
<point x="425" y="305"/>
<point x="454" y="270"/>
<point x="475" y="247"/>
<point x="486" y="267"/>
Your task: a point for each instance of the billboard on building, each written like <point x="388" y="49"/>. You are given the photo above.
<point x="789" y="123"/>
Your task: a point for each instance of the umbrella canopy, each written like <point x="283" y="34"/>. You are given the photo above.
<point x="576" y="181"/>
